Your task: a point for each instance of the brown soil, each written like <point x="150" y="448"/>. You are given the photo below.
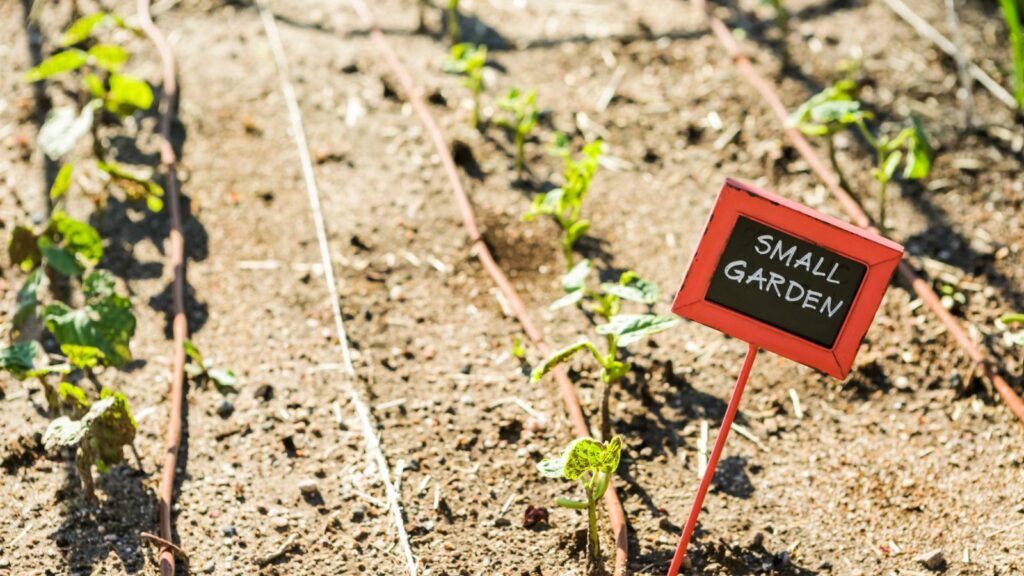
<point x="911" y="453"/>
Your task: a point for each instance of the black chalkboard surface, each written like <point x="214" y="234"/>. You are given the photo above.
<point x="785" y="282"/>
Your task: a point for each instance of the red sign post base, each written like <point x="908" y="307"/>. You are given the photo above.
<point x="716" y="453"/>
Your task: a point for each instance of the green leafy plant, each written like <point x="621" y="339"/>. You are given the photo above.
<point x="835" y="109"/>
<point x="619" y="330"/>
<point x="592" y="464"/>
<point x="225" y="380"/>
<point x="521" y="119"/>
<point x="469" y="60"/>
<point x="1012" y="15"/>
<point x="107" y="90"/>
<point x="565" y="204"/>
<point x="97" y="431"/>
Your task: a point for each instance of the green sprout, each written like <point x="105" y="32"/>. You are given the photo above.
<point x="619" y="330"/>
<point x="835" y="109"/>
<point x="225" y="380"/>
<point x="98" y="431"/>
<point x="1012" y="14"/>
<point x="98" y="67"/>
<point x="565" y="204"/>
<point x="469" y="60"/>
<point x="521" y="120"/>
<point x="592" y="464"/>
<point x="452" y="19"/>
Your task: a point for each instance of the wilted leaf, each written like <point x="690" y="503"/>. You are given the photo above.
<point x="112" y="430"/>
<point x="630" y="328"/>
<point x="135" y="186"/>
<point x="64" y="432"/>
<point x="24" y="248"/>
<point x="64" y="126"/>
<point x="65" y="61"/>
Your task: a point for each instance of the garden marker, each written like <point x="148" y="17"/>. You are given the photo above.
<point x="785" y="278"/>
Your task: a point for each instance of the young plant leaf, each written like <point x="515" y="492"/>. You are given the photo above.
<point x="633" y="288"/>
<point x="561" y="356"/>
<point x="128" y="94"/>
<point x="62" y="182"/>
<point x="19" y="358"/>
<point x="101" y="331"/>
<point x="576" y="278"/>
<point x="65" y="61"/>
<point x="81" y="29"/>
<point x="27" y="301"/>
<point x="72" y="400"/>
<point x="70" y="246"/>
<point x="110" y="57"/>
<point x="576" y="231"/>
<point x="112" y="430"/>
<point x="919" y="154"/>
<point x="570" y="299"/>
<point x="583" y="455"/>
<point x="630" y="328"/>
<point x="892" y="162"/>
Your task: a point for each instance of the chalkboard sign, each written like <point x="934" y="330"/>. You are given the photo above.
<point x="784" y="281"/>
<point x="787" y="278"/>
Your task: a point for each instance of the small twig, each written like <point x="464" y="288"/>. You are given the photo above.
<point x="375" y="501"/>
<point x="508" y="504"/>
<point x="389" y="404"/>
<point x="966" y="83"/>
<point x="522" y="404"/>
<point x="20" y="535"/>
<point x="423" y="485"/>
<point x="165" y="545"/>
<point x="610" y="89"/>
<point x="796" y="404"/>
<point x="746" y="433"/>
<point x="281" y="551"/>
<point x="437" y="497"/>
<point x="399" y="468"/>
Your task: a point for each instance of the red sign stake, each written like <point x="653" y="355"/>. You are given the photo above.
<point x="709" y="470"/>
<point x="785" y="278"/>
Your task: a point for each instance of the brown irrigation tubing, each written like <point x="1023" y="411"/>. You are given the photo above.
<point x="857" y="214"/>
<point x="176" y="262"/>
<point x="572" y="404"/>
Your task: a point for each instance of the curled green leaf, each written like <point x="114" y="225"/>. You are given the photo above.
<point x="65" y="61"/>
<point x="561" y="356"/>
<point x="630" y="328"/>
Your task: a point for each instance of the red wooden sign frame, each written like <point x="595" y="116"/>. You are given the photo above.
<point x="880" y="256"/>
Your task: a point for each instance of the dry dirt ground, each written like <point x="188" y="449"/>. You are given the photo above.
<point x="909" y="454"/>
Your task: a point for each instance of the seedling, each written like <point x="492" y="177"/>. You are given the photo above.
<point x="1013" y="324"/>
<point x="1012" y="14"/>
<point x="619" y="330"/>
<point x="469" y="60"/>
<point x="521" y="120"/>
<point x="837" y="108"/>
<point x="592" y="464"/>
<point x="225" y="380"/>
<point x="98" y="67"/>
<point x="98" y="432"/>
<point x="565" y="204"/>
<point x="452" y="27"/>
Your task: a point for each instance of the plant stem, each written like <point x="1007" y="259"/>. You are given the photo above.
<point x="83" y="463"/>
<point x="882" y="200"/>
<point x="595" y="536"/>
<point x="843" y="183"/>
<point x="606" y="420"/>
<point x="476" y="109"/>
<point x="520" y="142"/>
<point x="453" y="21"/>
<point x="1012" y="16"/>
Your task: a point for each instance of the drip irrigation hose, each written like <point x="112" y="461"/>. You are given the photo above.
<point x="176" y="263"/>
<point x="857" y="215"/>
<point x="413" y="93"/>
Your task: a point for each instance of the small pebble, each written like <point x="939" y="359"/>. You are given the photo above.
<point x="309" y="487"/>
<point x="358" y="513"/>
<point x="225" y="408"/>
<point x="230" y="531"/>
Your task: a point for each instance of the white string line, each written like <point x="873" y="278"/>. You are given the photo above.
<point x="373" y="447"/>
